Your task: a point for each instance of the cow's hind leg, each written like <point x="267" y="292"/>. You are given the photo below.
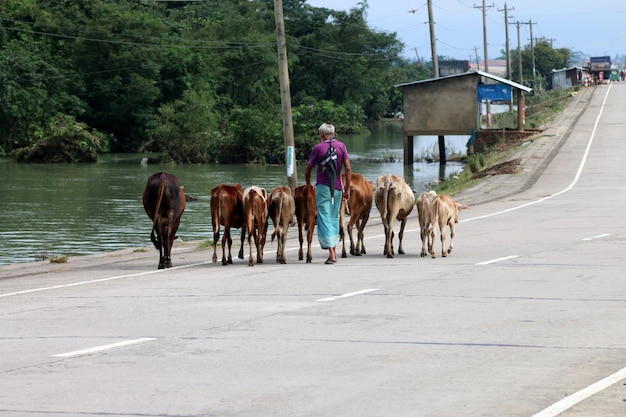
<point x="227" y="242"/>
<point x="301" y="239"/>
<point x="451" y="237"/>
<point x="442" y="228"/>
<point x="243" y="239"/>
<point x="216" y="238"/>
<point x="309" y="250"/>
<point x="423" y="237"/>
<point x="401" y="235"/>
<point x="283" y="242"/>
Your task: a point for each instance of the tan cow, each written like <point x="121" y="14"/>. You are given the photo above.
<point x="255" y="208"/>
<point x="358" y="207"/>
<point x="444" y="212"/>
<point x="424" y="203"/>
<point x="227" y="211"/>
<point x="395" y="201"/>
<point x="282" y="209"/>
<point x="306" y="213"/>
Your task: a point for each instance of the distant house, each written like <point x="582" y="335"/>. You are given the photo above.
<point x="566" y="78"/>
<point x="496" y="67"/>
<point x="453" y="67"/>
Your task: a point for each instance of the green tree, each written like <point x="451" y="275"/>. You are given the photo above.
<point x="547" y="58"/>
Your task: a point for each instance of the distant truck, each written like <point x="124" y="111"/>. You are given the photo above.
<point x="600" y="67"/>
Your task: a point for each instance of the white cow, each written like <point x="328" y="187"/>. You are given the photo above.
<point x="423" y="203"/>
<point x="395" y="201"/>
<point x="445" y="212"/>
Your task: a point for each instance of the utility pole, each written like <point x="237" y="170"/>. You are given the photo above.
<point x="485" y="44"/>
<point x="477" y="61"/>
<point x="441" y="139"/>
<point x="532" y="52"/>
<point x="508" y="49"/>
<point x="433" y="40"/>
<point x="519" y="51"/>
<point x="285" y="97"/>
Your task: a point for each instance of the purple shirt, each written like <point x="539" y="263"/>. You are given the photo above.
<point x="317" y="155"/>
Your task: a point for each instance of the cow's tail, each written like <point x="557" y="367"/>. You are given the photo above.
<point x="215" y="218"/>
<point x="157" y="208"/>
<point x="278" y="228"/>
<point x="434" y="213"/>
<point x="387" y="186"/>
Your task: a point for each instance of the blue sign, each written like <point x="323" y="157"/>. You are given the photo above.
<point x="494" y="92"/>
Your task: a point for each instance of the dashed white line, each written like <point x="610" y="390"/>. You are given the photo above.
<point x="350" y="294"/>
<point x="597" y="236"/>
<point x="104" y="347"/>
<point x="493" y="261"/>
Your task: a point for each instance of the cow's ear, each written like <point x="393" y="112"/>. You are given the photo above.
<point x="462" y="206"/>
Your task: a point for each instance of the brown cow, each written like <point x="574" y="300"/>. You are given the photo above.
<point x="395" y="201"/>
<point x="358" y="207"/>
<point x="306" y="213"/>
<point x="424" y="203"/>
<point x="164" y="202"/>
<point x="227" y="211"/>
<point x="282" y="209"/>
<point x="444" y="212"/>
<point x="255" y="207"/>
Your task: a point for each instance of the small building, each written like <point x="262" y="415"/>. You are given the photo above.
<point x="566" y="78"/>
<point x="451" y="105"/>
<point x="496" y="67"/>
<point x="452" y="67"/>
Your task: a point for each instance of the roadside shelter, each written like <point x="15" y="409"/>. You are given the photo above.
<point x="451" y="105"/>
<point x="566" y="78"/>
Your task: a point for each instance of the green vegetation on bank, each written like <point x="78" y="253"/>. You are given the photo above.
<point x="193" y="82"/>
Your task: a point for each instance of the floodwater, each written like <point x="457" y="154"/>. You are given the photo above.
<point x="78" y="209"/>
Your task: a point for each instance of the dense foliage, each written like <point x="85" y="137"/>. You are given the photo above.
<point x="195" y="82"/>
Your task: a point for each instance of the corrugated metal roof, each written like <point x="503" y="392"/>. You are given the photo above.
<point x="472" y="72"/>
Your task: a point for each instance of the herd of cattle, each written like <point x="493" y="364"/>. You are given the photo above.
<point x="251" y="209"/>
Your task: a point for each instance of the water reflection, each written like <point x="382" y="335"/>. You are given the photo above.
<point x="77" y="209"/>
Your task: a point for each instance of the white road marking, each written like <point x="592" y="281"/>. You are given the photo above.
<point x="94" y="281"/>
<point x="493" y="261"/>
<point x="104" y="347"/>
<point x="581" y="166"/>
<point x="350" y="294"/>
<point x="597" y="236"/>
<point x="570" y="401"/>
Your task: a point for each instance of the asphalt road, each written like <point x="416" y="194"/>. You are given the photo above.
<point x="524" y="318"/>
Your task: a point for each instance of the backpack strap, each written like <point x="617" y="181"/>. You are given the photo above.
<point x="331" y="154"/>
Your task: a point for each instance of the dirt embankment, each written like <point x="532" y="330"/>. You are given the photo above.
<point x="500" y="140"/>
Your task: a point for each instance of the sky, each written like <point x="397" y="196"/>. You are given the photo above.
<point x="593" y="29"/>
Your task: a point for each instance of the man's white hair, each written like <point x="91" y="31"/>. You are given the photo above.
<point x="327" y="129"/>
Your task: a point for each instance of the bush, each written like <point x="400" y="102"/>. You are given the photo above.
<point x="65" y="140"/>
<point x="476" y="162"/>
